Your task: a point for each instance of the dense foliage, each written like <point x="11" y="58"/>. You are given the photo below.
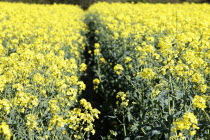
<point x="152" y="66"/>
<point x="86" y="3"/>
<point x="146" y="68"/>
<point x="41" y="63"/>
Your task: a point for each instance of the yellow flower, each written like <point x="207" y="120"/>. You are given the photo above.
<point x="6" y="105"/>
<point x="19" y="87"/>
<point x="202" y="88"/>
<point x="195" y="126"/>
<point x="58" y="121"/>
<point x="64" y="132"/>
<point x="122" y="97"/>
<point x="192" y="132"/>
<point x="93" y="131"/>
<point x="81" y="85"/>
<point x="97" y="52"/>
<point x="127" y="59"/>
<point x="102" y="60"/>
<point x="77" y="137"/>
<point x="83" y="67"/>
<point x="198" y="78"/>
<point x="53" y="106"/>
<point x="199" y="102"/>
<point x="97" y="45"/>
<point x="180" y="134"/>
<point x="4" y="129"/>
<point x="89" y="51"/>
<point x="188" y="121"/>
<point x="96" y="81"/>
<point x="147" y="73"/>
<point x="39" y="79"/>
<point x="152" y="39"/>
<point x="31" y="122"/>
<point x="118" y="69"/>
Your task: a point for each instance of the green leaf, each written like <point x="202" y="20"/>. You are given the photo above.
<point x="138" y="137"/>
<point x="155" y="132"/>
<point x="127" y="138"/>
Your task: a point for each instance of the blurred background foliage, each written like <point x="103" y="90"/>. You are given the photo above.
<point x="86" y="3"/>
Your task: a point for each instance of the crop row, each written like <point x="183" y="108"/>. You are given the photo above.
<point x="152" y="68"/>
<point x="41" y="65"/>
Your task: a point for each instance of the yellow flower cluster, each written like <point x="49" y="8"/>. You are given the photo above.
<point x="162" y="49"/>
<point x="86" y="116"/>
<point x="6" y="105"/>
<point x="78" y="119"/>
<point x="122" y="99"/>
<point x="4" y="129"/>
<point x="96" y="81"/>
<point x="58" y="121"/>
<point x="164" y="38"/>
<point x="83" y="67"/>
<point x="23" y="100"/>
<point x="188" y="122"/>
<point x="118" y="69"/>
<point x="41" y="48"/>
<point x="147" y="73"/>
<point x="97" y="49"/>
<point x="31" y="122"/>
<point x="128" y="59"/>
<point x="199" y="102"/>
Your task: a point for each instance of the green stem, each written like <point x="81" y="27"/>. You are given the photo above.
<point x="140" y="110"/>
<point x="169" y="108"/>
<point x="124" y="128"/>
<point x="169" y="111"/>
<point x="142" y="129"/>
<point x="132" y="84"/>
<point x="207" y="115"/>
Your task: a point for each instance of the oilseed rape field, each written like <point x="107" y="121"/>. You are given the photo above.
<point x="115" y="71"/>
<point x="153" y="68"/>
<point x="41" y="48"/>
